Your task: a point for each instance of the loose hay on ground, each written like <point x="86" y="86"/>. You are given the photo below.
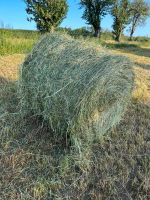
<point x="78" y="89"/>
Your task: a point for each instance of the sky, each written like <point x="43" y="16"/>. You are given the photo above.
<point x="13" y="14"/>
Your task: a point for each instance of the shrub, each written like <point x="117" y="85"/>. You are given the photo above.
<point x="141" y="39"/>
<point x="80" y="32"/>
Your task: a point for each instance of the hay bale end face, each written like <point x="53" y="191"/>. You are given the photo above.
<point x="78" y="89"/>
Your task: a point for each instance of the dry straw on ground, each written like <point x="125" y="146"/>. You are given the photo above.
<point x="33" y="166"/>
<point x="78" y="89"/>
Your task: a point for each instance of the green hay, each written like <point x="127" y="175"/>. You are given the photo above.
<point x="79" y="90"/>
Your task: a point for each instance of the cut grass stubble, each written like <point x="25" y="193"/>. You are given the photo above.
<point x="36" y="166"/>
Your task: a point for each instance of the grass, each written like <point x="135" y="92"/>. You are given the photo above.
<point x="17" y="41"/>
<point x="22" y="41"/>
<point x="35" y="167"/>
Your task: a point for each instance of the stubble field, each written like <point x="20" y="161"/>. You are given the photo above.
<point x="33" y="166"/>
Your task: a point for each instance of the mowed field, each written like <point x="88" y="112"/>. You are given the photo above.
<point x="120" y="167"/>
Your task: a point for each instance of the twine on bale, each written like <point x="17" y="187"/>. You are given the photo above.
<point x="79" y="90"/>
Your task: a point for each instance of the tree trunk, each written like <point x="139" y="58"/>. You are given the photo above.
<point x="131" y="34"/>
<point x="52" y="29"/>
<point x="118" y="37"/>
<point x="134" y="24"/>
<point x="96" y="32"/>
<point x="133" y="29"/>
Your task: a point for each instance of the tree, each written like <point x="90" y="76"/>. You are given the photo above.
<point x="47" y="14"/>
<point x="139" y="11"/>
<point x="94" y="10"/>
<point x="120" y="13"/>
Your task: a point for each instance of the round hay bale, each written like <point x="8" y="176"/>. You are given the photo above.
<point x="76" y="88"/>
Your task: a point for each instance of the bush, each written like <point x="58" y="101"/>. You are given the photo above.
<point x="142" y="39"/>
<point x="80" y="32"/>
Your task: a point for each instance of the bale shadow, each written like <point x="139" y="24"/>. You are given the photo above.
<point x="8" y="97"/>
<point x="142" y="65"/>
<point x="30" y="128"/>
<point x="3" y="81"/>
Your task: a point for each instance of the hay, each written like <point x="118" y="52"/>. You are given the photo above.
<point x="76" y="88"/>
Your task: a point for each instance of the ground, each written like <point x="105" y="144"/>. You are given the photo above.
<point x="28" y="164"/>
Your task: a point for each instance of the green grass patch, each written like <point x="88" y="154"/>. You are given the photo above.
<point x="17" y="41"/>
<point x="122" y="45"/>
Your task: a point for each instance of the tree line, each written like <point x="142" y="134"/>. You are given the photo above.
<point x="48" y="14"/>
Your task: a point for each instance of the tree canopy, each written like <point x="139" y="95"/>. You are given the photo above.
<point x="139" y="11"/>
<point x="120" y="13"/>
<point x="94" y="11"/>
<point x="48" y="14"/>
